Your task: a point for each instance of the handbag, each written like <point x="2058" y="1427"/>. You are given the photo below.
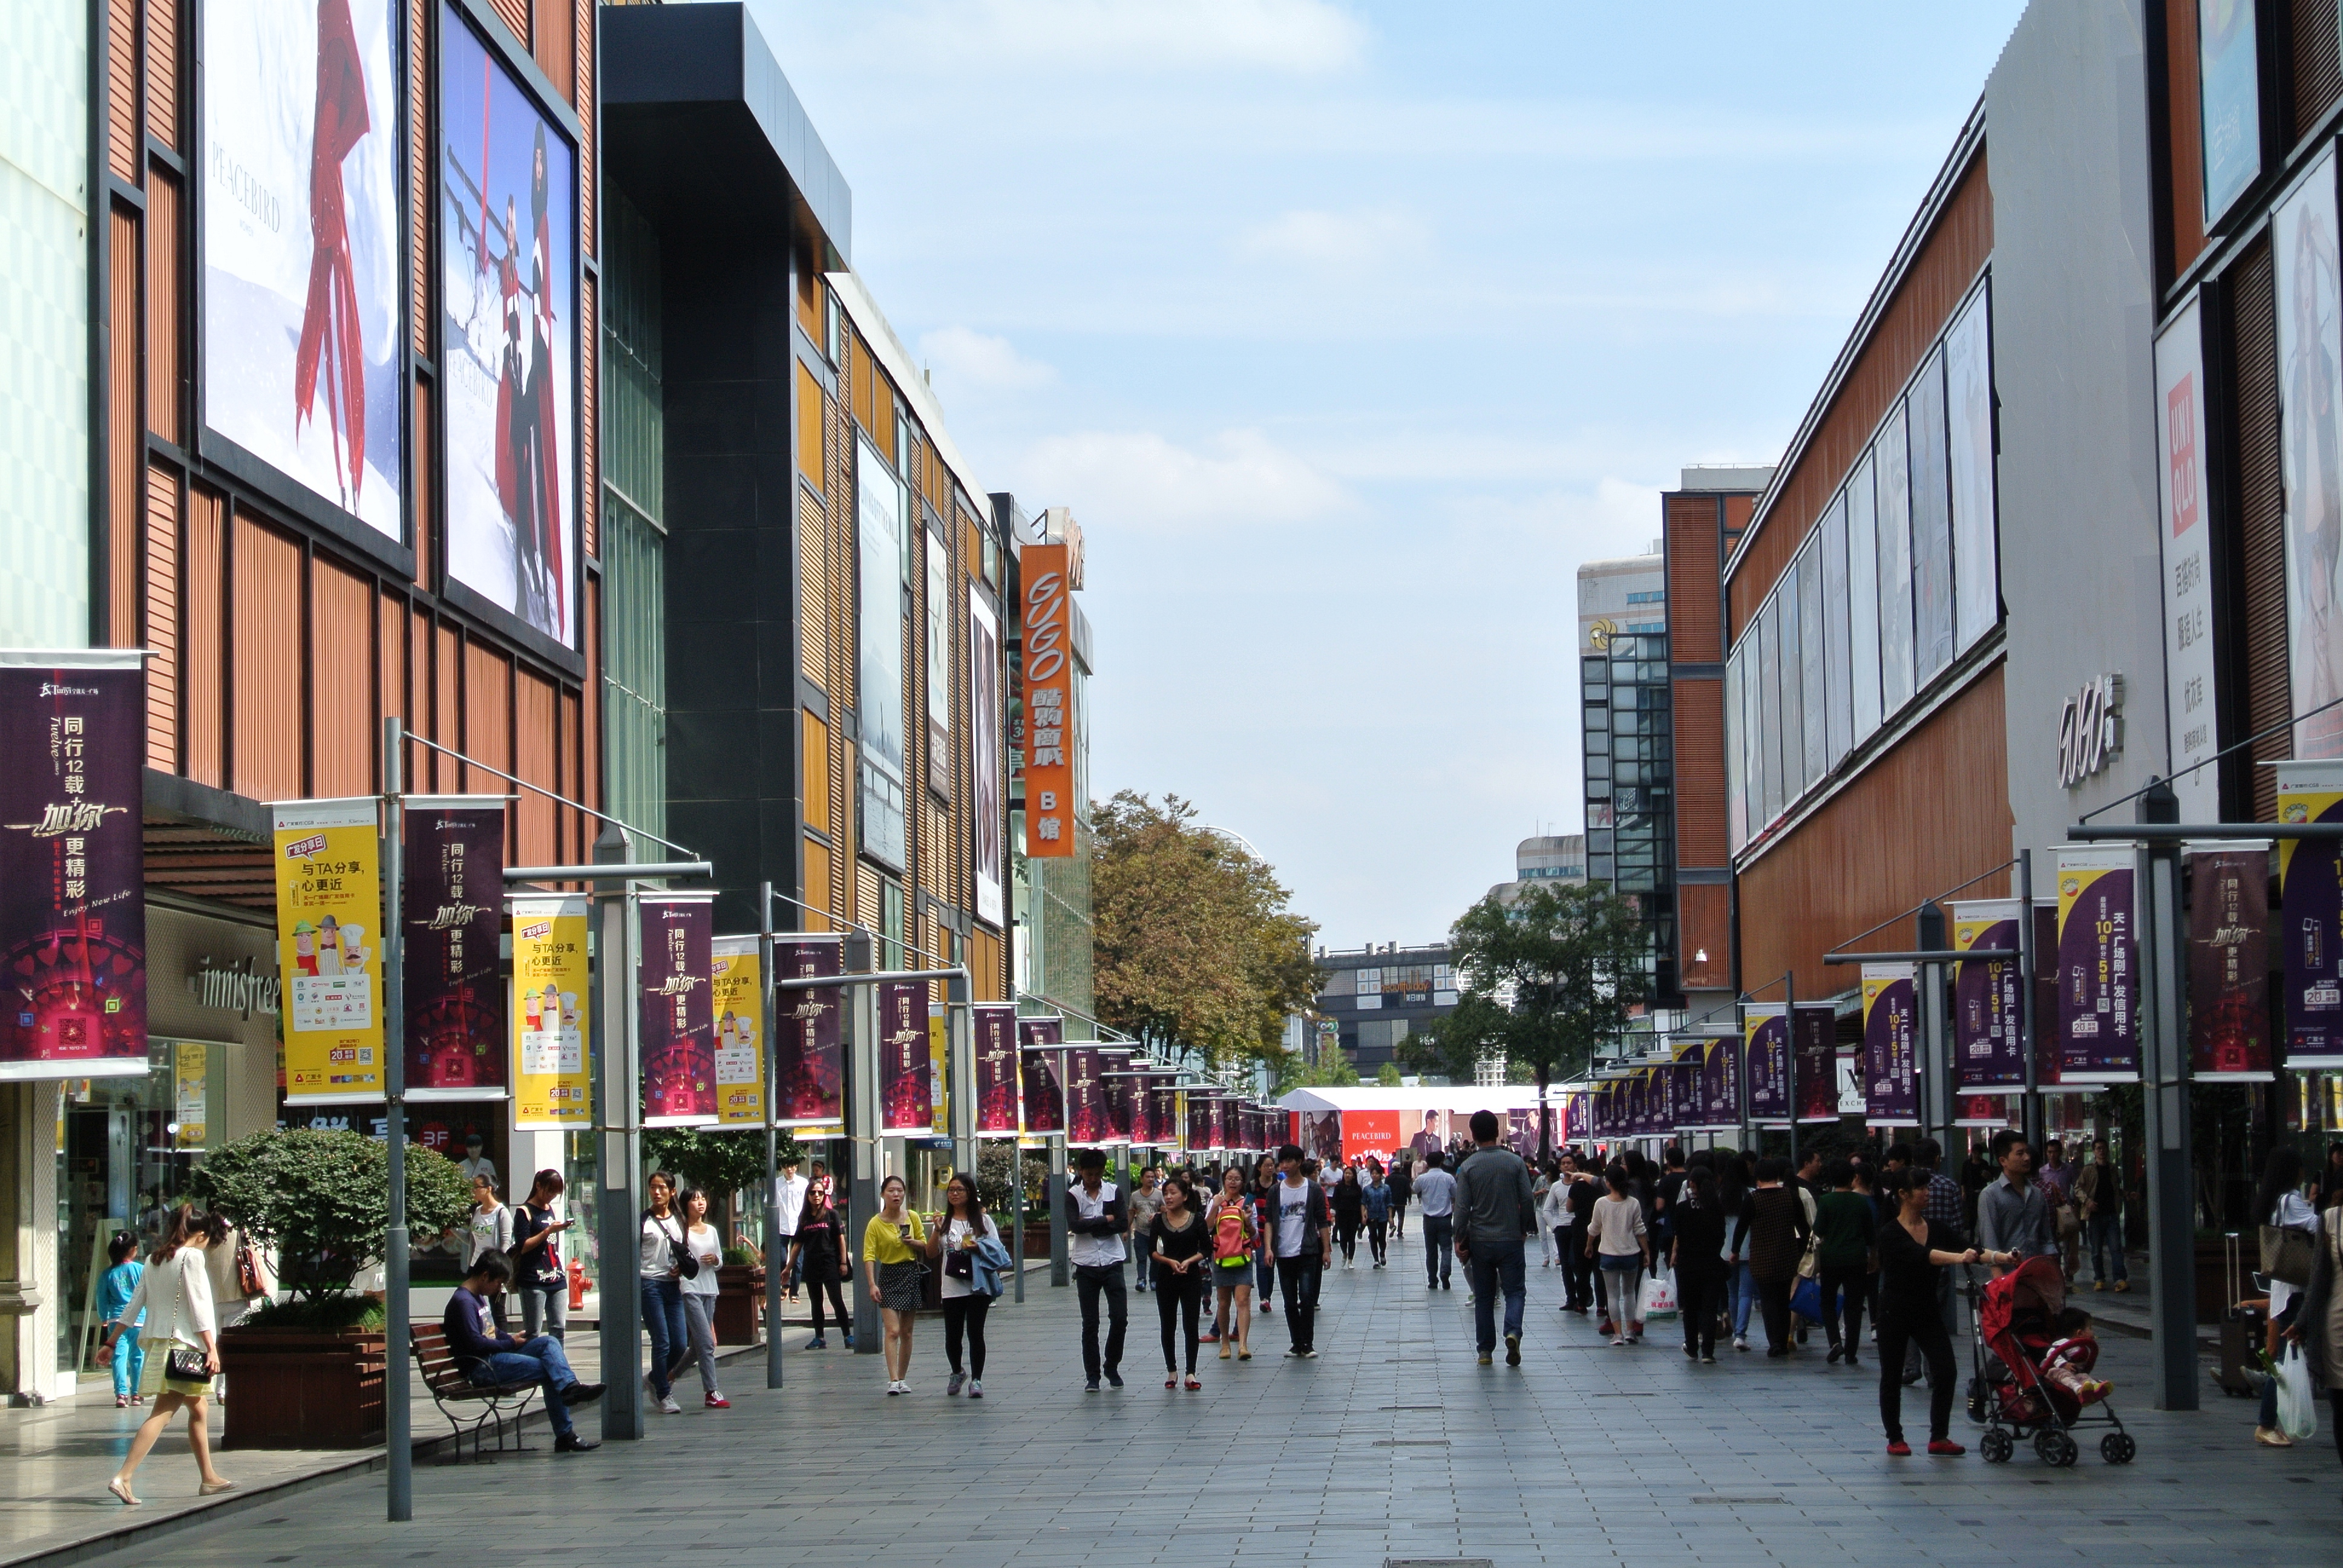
<point x="2286" y="1253"/>
<point x="1810" y="1261"/>
<point x="184" y="1365"/>
<point x="1806" y="1300"/>
<point x="248" y="1282"/>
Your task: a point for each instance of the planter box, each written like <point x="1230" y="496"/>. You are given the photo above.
<point x="303" y="1388"/>
<point x="739" y="1291"/>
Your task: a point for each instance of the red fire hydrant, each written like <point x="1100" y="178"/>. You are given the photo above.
<point x="577" y="1285"/>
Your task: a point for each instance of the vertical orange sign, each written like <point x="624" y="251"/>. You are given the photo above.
<point x="1049" y="721"/>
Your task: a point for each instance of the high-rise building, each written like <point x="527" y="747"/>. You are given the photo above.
<point x="1546" y="861"/>
<point x="1376" y="996"/>
<point x="1628" y="745"/>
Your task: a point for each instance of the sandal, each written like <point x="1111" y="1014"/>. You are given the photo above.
<point x="1171" y="1381"/>
<point x="1245" y="1354"/>
<point x="1194" y="1383"/>
<point x="1226" y="1353"/>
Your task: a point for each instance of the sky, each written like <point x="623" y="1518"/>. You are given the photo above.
<point x="1349" y="331"/>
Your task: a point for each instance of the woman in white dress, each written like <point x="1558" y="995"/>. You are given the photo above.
<point x="182" y="1343"/>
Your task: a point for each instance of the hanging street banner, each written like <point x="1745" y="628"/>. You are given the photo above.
<point x="551" y="1085"/>
<point x="1891" y="1054"/>
<point x="1200" y="1122"/>
<point x="1163" y="1101"/>
<point x="939" y="1071"/>
<point x="1085" y="1098"/>
<point x="1115" y="1097"/>
<point x="73" y="877"/>
<point x="1688" y="1110"/>
<point x="1720" y="1082"/>
<point x="2098" y="963"/>
<point x="328" y="858"/>
<point x="452" y="891"/>
<point x="1047" y="723"/>
<point x="1988" y="1037"/>
<point x="907" y="1091"/>
<point x="994" y="1027"/>
<point x="736" y="997"/>
<point x="1765" y="1058"/>
<point x="2228" y="961"/>
<point x="2311" y="899"/>
<point x="1817" y="1046"/>
<point x="1041" y="1066"/>
<point x="674" y="1014"/>
<point x="809" y="1034"/>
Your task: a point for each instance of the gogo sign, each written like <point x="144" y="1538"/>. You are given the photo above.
<point x="2090" y="729"/>
<point x="1045" y="729"/>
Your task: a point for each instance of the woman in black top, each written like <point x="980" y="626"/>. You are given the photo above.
<point x="1697" y="1255"/>
<point x="537" y="1259"/>
<point x="1182" y="1248"/>
<point x="814" y="1258"/>
<point x="1350" y="1205"/>
<point x="1912" y="1250"/>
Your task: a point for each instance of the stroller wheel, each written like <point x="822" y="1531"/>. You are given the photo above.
<point x="2117" y="1448"/>
<point x="2054" y="1447"/>
<point x="1997" y="1446"/>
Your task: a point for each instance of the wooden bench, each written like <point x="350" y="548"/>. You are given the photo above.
<point x="470" y="1407"/>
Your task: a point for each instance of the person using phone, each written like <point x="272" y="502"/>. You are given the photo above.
<point x="893" y="1274"/>
<point x="537" y="1231"/>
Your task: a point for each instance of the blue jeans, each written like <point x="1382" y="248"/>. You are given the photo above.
<point x="1744" y="1296"/>
<point x="670" y="1337"/>
<point x="2106" y="1232"/>
<point x="1497" y="1267"/>
<point x="129" y="1363"/>
<point x="541" y="1359"/>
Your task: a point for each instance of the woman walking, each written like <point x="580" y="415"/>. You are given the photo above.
<point x="182" y="1333"/>
<point x="1912" y="1251"/>
<point x="1733" y="1185"/>
<point x="1144" y="1200"/>
<point x="818" y="1258"/>
<point x="1376" y="1196"/>
<point x="1180" y="1243"/>
<point x="895" y="1272"/>
<point x="2317" y="1325"/>
<point x="965" y="1224"/>
<point x="660" y="1267"/>
<point x="2280" y="1202"/>
<point x="1772" y="1234"/>
<point x="1350" y="1208"/>
<point x="1236" y="1240"/>
<point x="1697" y="1254"/>
<point x="537" y="1259"/>
<point x="1843" y="1222"/>
<point x="703" y="1253"/>
<point x="1265" y="1220"/>
<point x="489" y="1228"/>
<point x="1618" y="1241"/>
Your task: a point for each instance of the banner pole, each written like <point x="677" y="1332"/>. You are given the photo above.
<point x="775" y="1264"/>
<point x="617" y="1102"/>
<point x="398" y="1414"/>
<point x="2164" y="1096"/>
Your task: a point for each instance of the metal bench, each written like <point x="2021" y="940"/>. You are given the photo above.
<point x="471" y="1407"/>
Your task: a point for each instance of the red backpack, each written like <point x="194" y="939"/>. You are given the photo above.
<point x="1231" y="1235"/>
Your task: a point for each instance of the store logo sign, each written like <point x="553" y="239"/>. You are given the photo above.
<point x="241" y="987"/>
<point x="2090" y="729"/>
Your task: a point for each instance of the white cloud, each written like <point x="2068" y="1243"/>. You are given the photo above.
<point x="1141" y="482"/>
<point x="1298" y="38"/>
<point x="983" y="361"/>
<point x="1351" y="240"/>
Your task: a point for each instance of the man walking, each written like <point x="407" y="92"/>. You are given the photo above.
<point x="1402" y="1181"/>
<point x="1577" y="1204"/>
<point x="789" y="1203"/>
<point x="2012" y="1215"/>
<point x="1499" y="1213"/>
<point x="2099" y="1194"/>
<point x="1437" y="1189"/>
<point x="1303" y="1227"/>
<point x="2057" y="1180"/>
<point x="1096" y="1222"/>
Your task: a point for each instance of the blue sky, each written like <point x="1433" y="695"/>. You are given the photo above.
<point x="1348" y="331"/>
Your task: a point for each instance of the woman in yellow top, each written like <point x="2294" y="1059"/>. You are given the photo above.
<point x="894" y="1272"/>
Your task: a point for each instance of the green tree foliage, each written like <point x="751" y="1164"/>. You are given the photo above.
<point x="1194" y="945"/>
<point x="718" y="1162"/>
<point x="321" y="1200"/>
<point x="1388" y="1075"/>
<point x="1547" y="981"/>
<point x="1325" y="1073"/>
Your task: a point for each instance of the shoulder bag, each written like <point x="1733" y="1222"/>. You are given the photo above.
<point x="2286" y="1253"/>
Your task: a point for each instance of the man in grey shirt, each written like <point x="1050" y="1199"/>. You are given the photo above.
<point x="2012" y="1214"/>
<point x="1493" y="1202"/>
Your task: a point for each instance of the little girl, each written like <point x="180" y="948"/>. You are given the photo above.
<point x="115" y="1289"/>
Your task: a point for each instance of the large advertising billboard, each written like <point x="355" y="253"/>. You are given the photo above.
<point x="882" y="565"/>
<point x="1051" y="808"/>
<point x="988" y="811"/>
<point x="551" y="1013"/>
<point x="2229" y="102"/>
<point x="2192" y="689"/>
<point x="809" y="1035"/>
<point x="508" y="339"/>
<point x="328" y="857"/>
<point x="2310" y="453"/>
<point x="674" y="1016"/>
<point x="2228" y="960"/>
<point x="301" y="245"/>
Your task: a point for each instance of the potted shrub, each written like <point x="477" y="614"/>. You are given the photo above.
<point x="307" y="1371"/>
<point x="739" y="1290"/>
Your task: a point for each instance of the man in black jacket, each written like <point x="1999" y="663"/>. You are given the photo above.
<point x="1097" y="1220"/>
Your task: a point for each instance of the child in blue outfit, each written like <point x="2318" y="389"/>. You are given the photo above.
<point x="115" y="1289"/>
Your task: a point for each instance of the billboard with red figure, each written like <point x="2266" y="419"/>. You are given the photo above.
<point x="906" y="1087"/>
<point x="1086" y="1123"/>
<point x="73" y="897"/>
<point x="1041" y="1068"/>
<point x="1115" y="1095"/>
<point x="994" y="1026"/>
<point x="1816" y="1031"/>
<point x="453" y="872"/>
<point x="809" y="1034"/>
<point x="2229" y="961"/>
<point x="674" y="1010"/>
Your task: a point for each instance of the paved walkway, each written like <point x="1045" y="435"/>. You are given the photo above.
<point x="1393" y="1446"/>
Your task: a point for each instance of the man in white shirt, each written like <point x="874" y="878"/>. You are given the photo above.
<point x="788" y="1202"/>
<point x="1303" y="1224"/>
<point x="1437" y="1190"/>
<point x="1096" y="1222"/>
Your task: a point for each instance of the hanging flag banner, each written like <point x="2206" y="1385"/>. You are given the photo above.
<point x="1196" y="1116"/>
<point x="1041" y="1066"/>
<point x="550" y="1083"/>
<point x="1085" y="1098"/>
<point x="1115" y="1098"/>
<point x="736" y="997"/>
<point x="939" y="1071"/>
<point x="1687" y="1105"/>
<point x="994" y="1027"/>
<point x="2047" y="1050"/>
<point x="1765" y="1058"/>
<point x="1891" y="1049"/>
<point x="674" y="1016"/>
<point x="328" y="858"/>
<point x="809" y="1034"/>
<point x="452" y="892"/>
<point x="1639" y="1113"/>
<point x="1720" y="1082"/>
<point x="1817" y="1032"/>
<point x="1988" y="1037"/>
<point x="2310" y="900"/>
<point x="2228" y="961"/>
<point x="907" y="1095"/>
<point x="1164" y="1120"/>
<point x="73" y="887"/>
<point x="2098" y="963"/>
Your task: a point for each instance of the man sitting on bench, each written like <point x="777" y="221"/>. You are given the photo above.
<point x="494" y="1359"/>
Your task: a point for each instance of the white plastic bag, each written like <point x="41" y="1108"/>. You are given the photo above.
<point x="2297" y="1415"/>
<point x="1659" y="1297"/>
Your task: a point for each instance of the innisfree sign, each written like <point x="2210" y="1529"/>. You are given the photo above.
<point x="2090" y="729"/>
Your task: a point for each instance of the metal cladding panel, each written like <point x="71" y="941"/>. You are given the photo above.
<point x="342" y="719"/>
<point x="269" y="747"/>
<point x="2186" y="154"/>
<point x="1694" y="561"/>
<point x="2261" y="517"/>
<point x="1699" y="717"/>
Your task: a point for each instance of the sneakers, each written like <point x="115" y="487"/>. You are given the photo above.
<point x="669" y="1407"/>
<point x="896" y="1387"/>
<point x="952" y="1388"/>
<point x="1488" y="1360"/>
<point x="716" y="1402"/>
<point x="1308" y="1354"/>
<point x="1740" y="1341"/>
<point x="2122" y="1285"/>
<point x="1619" y="1341"/>
<point x="1606" y="1326"/>
<point x="975" y="1388"/>
<point x="1898" y="1449"/>
<point x="817" y="1343"/>
<point x="1091" y="1386"/>
<point x="1946" y="1447"/>
<point x="1513" y="1349"/>
<point x="1446" y="1286"/>
<point x="1708" y="1361"/>
<point x="1113" y="1378"/>
<point x="2099" y="1285"/>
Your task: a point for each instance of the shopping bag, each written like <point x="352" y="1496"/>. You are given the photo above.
<point x="1806" y="1300"/>
<point x="1659" y="1297"/>
<point x="2296" y="1415"/>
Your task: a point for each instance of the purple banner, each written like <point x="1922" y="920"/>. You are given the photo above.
<point x="1766" y="1060"/>
<point x="1988" y="1037"/>
<point x="1688" y="1106"/>
<point x="1041" y="1066"/>
<point x="674" y="1010"/>
<point x="2312" y="917"/>
<point x="906" y="1087"/>
<point x="1720" y="1083"/>
<point x="453" y="866"/>
<point x="809" y="1039"/>
<point x="73" y="897"/>
<point x="1162" y="1102"/>
<point x="994" y="1024"/>
<point x="1891" y="1054"/>
<point x="1117" y="1109"/>
<point x="2228" y="961"/>
<point x="1085" y="1098"/>
<point x="2099" y="964"/>
<point x="1818" y="1062"/>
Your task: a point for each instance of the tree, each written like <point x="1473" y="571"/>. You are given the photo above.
<point x="1388" y="1075"/>
<point x="720" y="1163"/>
<point x="1193" y="945"/>
<point x="1547" y="980"/>
<point x="322" y="1201"/>
<point x="1332" y="1072"/>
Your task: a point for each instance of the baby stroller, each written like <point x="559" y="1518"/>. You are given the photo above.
<point x="2033" y="1360"/>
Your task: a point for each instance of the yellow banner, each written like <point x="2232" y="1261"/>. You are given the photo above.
<point x="737" y="997"/>
<point x="191" y="1112"/>
<point x="939" y="1068"/>
<point x="328" y="859"/>
<point x="551" y="1084"/>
